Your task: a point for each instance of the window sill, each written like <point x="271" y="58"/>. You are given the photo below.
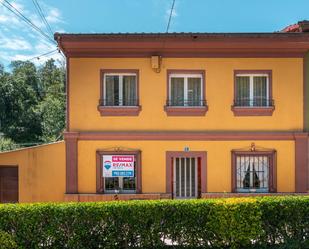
<point x="185" y="110"/>
<point x="253" y="111"/>
<point x="119" y="110"/>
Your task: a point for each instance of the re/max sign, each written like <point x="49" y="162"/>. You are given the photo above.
<point x="118" y="166"/>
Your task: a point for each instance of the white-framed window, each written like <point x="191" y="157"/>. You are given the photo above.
<point x="252" y="173"/>
<point x="185" y="90"/>
<point x="120" y="89"/>
<point x="121" y="184"/>
<point x="252" y="90"/>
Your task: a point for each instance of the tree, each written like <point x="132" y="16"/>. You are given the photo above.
<point x="7" y="144"/>
<point x="53" y="118"/>
<point x="18" y="100"/>
<point x="52" y="107"/>
<point x="32" y="102"/>
<point x="26" y="72"/>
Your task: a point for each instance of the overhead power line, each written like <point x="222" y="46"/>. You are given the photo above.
<point x="41" y="14"/>
<point x="45" y="54"/>
<point x="170" y="17"/>
<point x="15" y="11"/>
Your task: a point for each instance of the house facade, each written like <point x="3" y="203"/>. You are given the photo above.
<point x="184" y="115"/>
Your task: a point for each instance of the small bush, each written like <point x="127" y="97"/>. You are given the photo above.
<point x="270" y="222"/>
<point x="7" y="144"/>
<point x="7" y="241"/>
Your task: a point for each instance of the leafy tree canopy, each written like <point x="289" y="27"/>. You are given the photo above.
<point x="32" y="102"/>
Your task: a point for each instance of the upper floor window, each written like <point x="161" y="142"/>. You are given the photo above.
<point x="253" y="90"/>
<point x="120" y="89"/>
<point x="119" y="93"/>
<point x="185" y="90"/>
<point x="186" y="93"/>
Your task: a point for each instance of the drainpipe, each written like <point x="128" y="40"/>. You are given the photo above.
<point x="306" y="92"/>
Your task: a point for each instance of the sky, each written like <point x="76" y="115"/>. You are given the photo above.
<point x="18" y="41"/>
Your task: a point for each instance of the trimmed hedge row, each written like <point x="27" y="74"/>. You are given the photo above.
<point x="221" y="223"/>
<point x="7" y="241"/>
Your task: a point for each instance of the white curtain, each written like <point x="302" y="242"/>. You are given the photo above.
<point x="194" y="92"/>
<point x="242" y="90"/>
<point x="111" y="90"/>
<point x="129" y="90"/>
<point x="252" y="172"/>
<point x="260" y="91"/>
<point x="177" y="92"/>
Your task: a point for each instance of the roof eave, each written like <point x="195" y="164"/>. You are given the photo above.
<point x="184" y="44"/>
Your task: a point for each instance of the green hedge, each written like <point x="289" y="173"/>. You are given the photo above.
<point x="267" y="222"/>
<point x="7" y="241"/>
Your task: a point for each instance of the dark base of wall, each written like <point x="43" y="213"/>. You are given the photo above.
<point x="114" y="197"/>
<point x="233" y="195"/>
<point x="160" y="196"/>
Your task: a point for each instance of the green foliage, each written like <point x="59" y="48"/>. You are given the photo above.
<point x="279" y="222"/>
<point x="7" y="241"/>
<point x="53" y="118"/>
<point x="7" y="144"/>
<point x="32" y="102"/>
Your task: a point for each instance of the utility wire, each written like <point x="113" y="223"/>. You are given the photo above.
<point x="170" y="17"/>
<point x="44" y="55"/>
<point x="41" y="14"/>
<point x="15" y="11"/>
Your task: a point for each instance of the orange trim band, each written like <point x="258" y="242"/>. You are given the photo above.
<point x="185" y="135"/>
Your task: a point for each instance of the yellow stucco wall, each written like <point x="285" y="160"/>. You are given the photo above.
<point x="153" y="162"/>
<point x="287" y="93"/>
<point x="41" y="172"/>
<point x="42" y="169"/>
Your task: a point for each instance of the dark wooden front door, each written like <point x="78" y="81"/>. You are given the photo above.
<point x="8" y="184"/>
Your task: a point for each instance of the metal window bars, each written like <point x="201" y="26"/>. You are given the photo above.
<point x="254" y="102"/>
<point x="118" y="102"/>
<point x="182" y="102"/>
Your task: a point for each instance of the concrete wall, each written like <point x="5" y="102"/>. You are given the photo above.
<point x="287" y="88"/>
<point x="41" y="171"/>
<point x="218" y="174"/>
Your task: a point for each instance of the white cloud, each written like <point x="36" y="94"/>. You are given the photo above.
<point x="15" y="44"/>
<point x="4" y="18"/>
<point x="174" y="13"/>
<point x="54" y="16"/>
<point x="18" y="41"/>
<point x="18" y="6"/>
<point x="43" y="46"/>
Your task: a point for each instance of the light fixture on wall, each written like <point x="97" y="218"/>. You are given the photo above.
<point x="253" y="147"/>
<point x="156" y="63"/>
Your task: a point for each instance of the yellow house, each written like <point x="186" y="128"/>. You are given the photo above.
<point x="182" y="115"/>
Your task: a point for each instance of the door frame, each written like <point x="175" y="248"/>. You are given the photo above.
<point x="169" y="168"/>
<point x="16" y="168"/>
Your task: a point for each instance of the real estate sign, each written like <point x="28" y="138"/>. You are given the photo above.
<point x="118" y="166"/>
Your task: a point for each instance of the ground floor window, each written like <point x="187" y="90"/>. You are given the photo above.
<point x="253" y="172"/>
<point x="118" y="172"/>
<point x="120" y="184"/>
